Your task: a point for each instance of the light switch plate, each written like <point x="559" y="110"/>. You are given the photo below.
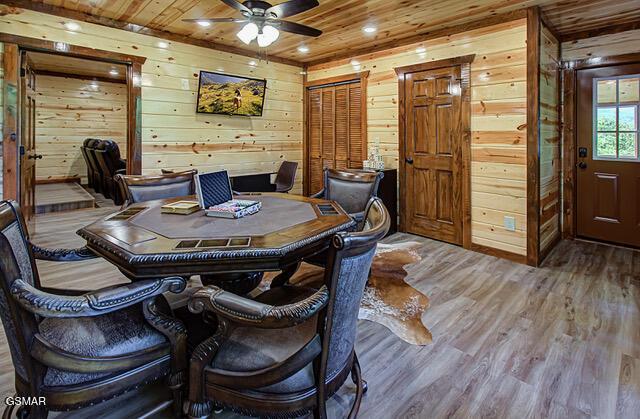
<point x="185" y="84"/>
<point x="509" y="223"/>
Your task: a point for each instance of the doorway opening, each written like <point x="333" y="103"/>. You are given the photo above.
<point x="58" y="97"/>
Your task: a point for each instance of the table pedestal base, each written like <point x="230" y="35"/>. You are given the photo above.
<point x="238" y="283"/>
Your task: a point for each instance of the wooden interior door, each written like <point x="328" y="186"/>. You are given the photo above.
<point x="336" y="137"/>
<point x="433" y="154"/>
<point x="608" y="169"/>
<point x="27" y="137"/>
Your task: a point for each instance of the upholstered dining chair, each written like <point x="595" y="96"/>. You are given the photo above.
<point x="286" y="176"/>
<point x="77" y="349"/>
<point x="289" y="350"/>
<point x="147" y="188"/>
<point x="108" y="156"/>
<point x="352" y="189"/>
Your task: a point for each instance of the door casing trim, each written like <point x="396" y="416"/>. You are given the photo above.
<point x="465" y="63"/>
<point x="569" y="129"/>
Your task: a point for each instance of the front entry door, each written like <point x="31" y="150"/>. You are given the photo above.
<point x="28" y="154"/>
<point x="608" y="170"/>
<point x="433" y="154"/>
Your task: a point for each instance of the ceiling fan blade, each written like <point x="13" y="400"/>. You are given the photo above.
<point x="218" y="20"/>
<point x="292" y="7"/>
<point x="237" y="5"/>
<point x="295" y="28"/>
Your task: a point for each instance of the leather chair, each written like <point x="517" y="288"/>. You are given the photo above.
<point x="108" y="156"/>
<point x="352" y="189"/>
<point x="85" y="157"/>
<point x="289" y="350"/>
<point x="94" y="167"/>
<point x="147" y="188"/>
<point x="79" y="348"/>
<point x="286" y="176"/>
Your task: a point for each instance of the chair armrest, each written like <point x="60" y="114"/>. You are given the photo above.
<point x="62" y="255"/>
<point x="93" y="303"/>
<point x="358" y="216"/>
<point x="318" y="195"/>
<point x="121" y="172"/>
<point x="244" y="311"/>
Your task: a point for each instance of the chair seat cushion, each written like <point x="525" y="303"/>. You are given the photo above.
<point x="250" y="349"/>
<point x="117" y="333"/>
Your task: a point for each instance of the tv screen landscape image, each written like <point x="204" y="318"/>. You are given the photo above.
<point x="230" y="95"/>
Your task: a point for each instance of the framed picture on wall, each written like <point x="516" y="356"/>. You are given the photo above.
<point x="230" y="95"/>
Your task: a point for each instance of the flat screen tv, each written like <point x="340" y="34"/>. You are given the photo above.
<point x="230" y="95"/>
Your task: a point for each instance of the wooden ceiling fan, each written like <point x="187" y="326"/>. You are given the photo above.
<point x="263" y="21"/>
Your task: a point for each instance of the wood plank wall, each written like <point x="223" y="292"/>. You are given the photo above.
<point x="550" y="162"/>
<point x="498" y="120"/>
<point x="174" y="136"/>
<point x="68" y="110"/>
<point x="602" y="46"/>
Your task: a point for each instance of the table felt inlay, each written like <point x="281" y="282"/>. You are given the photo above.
<point x="276" y="214"/>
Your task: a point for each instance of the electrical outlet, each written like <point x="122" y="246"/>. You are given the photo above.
<point x="185" y="84"/>
<point x="509" y="223"/>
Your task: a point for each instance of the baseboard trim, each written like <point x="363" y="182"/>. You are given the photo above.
<point x="499" y="253"/>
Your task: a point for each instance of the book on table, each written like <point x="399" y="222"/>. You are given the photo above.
<point x="180" y="207"/>
<point x="216" y="198"/>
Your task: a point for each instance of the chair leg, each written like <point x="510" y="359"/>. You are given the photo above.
<point x="176" y="384"/>
<point x="199" y="410"/>
<point x="356" y="376"/>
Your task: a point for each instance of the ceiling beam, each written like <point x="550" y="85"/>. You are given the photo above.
<point x="425" y="36"/>
<point x="131" y="27"/>
<point x="603" y="30"/>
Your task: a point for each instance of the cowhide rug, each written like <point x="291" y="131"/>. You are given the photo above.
<point x="388" y="299"/>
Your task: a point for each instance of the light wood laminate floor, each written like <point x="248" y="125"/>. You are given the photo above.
<point x="510" y="341"/>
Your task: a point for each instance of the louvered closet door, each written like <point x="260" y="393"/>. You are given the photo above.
<point x="315" y="140"/>
<point x="336" y="139"/>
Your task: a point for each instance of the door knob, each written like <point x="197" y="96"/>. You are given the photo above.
<point x="582" y="165"/>
<point x="35" y="156"/>
<point x="409" y="160"/>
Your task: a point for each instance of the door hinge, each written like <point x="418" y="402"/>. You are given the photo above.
<point x="22" y="150"/>
<point x="23" y="72"/>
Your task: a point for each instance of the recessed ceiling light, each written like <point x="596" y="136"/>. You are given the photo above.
<point x="252" y="63"/>
<point x="72" y="26"/>
<point x="162" y="44"/>
<point x="421" y="50"/>
<point x="355" y="63"/>
<point x="303" y="49"/>
<point x="369" y="29"/>
<point x="204" y="23"/>
<point x="114" y="72"/>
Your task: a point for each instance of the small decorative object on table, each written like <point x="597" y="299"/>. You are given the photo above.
<point x="374" y="159"/>
<point x="215" y="197"/>
<point x="180" y="207"/>
<point x="236" y="208"/>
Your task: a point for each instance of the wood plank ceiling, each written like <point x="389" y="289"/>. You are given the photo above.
<point x="342" y="20"/>
<point x="52" y="63"/>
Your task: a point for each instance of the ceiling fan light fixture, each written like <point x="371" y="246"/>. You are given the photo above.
<point x="248" y="33"/>
<point x="267" y="36"/>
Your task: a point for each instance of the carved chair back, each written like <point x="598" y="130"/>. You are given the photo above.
<point x="17" y="263"/>
<point x="286" y="176"/>
<point x="349" y="261"/>
<point x="352" y="189"/>
<point x="148" y="188"/>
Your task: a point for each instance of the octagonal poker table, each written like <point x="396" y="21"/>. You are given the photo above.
<point x="144" y="243"/>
